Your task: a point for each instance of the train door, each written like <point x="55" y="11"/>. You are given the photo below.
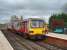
<point x="16" y="26"/>
<point x="25" y="27"/>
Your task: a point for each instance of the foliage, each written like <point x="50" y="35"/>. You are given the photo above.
<point x="62" y="16"/>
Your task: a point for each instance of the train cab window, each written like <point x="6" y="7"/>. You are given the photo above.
<point x="37" y="23"/>
<point x="41" y="24"/>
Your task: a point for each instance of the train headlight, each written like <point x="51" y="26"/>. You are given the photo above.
<point x="45" y="31"/>
<point x="30" y="31"/>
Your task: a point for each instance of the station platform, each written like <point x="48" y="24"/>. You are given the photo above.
<point x="57" y="35"/>
<point x="56" y="39"/>
<point x="4" y="44"/>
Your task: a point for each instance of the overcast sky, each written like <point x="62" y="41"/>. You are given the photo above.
<point x="42" y="8"/>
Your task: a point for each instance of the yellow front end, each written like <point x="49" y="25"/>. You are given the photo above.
<point x="36" y="27"/>
<point x="37" y="31"/>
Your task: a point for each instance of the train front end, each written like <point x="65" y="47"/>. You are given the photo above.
<point x="37" y="29"/>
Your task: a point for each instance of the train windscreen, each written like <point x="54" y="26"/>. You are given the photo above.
<point x="37" y="23"/>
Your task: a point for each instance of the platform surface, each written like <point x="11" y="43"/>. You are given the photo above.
<point x="4" y="44"/>
<point x="57" y="35"/>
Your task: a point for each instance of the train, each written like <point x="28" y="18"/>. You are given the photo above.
<point x="32" y="28"/>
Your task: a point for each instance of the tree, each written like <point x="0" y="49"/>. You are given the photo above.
<point x="65" y="19"/>
<point x="58" y="17"/>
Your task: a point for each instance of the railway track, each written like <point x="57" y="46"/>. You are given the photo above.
<point x="14" y="41"/>
<point x="33" y="45"/>
<point x="42" y="44"/>
<point x="19" y="43"/>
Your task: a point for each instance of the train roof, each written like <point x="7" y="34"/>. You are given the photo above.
<point x="32" y="19"/>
